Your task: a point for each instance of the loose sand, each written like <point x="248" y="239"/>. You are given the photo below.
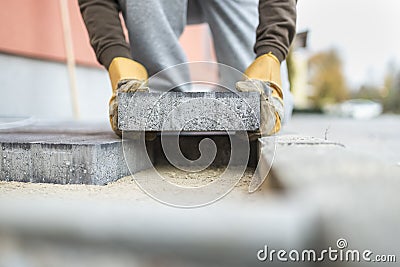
<point x="123" y="189"/>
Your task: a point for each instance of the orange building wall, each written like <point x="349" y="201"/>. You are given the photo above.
<point x="33" y="28"/>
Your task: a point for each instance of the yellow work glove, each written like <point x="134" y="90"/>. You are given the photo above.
<point x="264" y="76"/>
<point x="126" y="75"/>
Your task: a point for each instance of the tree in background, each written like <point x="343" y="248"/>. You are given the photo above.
<point x="370" y="92"/>
<point x="327" y="78"/>
<point x="391" y="101"/>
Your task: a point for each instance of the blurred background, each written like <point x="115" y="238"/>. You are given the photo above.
<point x="344" y="50"/>
<point x="352" y="52"/>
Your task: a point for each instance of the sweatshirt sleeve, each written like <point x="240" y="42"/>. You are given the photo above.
<point x="103" y="24"/>
<point x="277" y="27"/>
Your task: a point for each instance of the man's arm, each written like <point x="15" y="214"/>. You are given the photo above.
<point x="275" y="33"/>
<point x="103" y="24"/>
<point x="277" y="27"/>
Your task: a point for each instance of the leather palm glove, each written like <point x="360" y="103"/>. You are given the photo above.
<point x="126" y="75"/>
<point x="264" y="77"/>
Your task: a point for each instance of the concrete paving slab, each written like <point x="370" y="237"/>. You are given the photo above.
<point x="189" y="111"/>
<point x="62" y="153"/>
<point x="364" y="214"/>
<point x="378" y="137"/>
<point x="229" y="233"/>
<point x="356" y="193"/>
<point x="304" y="161"/>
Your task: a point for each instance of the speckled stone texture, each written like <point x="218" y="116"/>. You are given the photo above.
<point x="63" y="153"/>
<point x="189" y="111"/>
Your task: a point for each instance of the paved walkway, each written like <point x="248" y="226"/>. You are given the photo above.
<point x="318" y="192"/>
<point x="378" y="138"/>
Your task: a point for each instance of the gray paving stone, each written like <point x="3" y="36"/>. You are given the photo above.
<point x="228" y="234"/>
<point x="189" y="111"/>
<point x="377" y="137"/>
<point x="355" y="193"/>
<point x="365" y="214"/>
<point x="303" y="161"/>
<point x="62" y="153"/>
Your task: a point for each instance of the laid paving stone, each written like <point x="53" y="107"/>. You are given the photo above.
<point x="301" y="161"/>
<point x="189" y="111"/>
<point x="356" y="194"/>
<point x="299" y="166"/>
<point x="268" y="165"/>
<point x="364" y="214"/>
<point x="63" y="153"/>
<point x="229" y="233"/>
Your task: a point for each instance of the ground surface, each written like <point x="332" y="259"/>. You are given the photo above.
<point x="317" y="194"/>
<point x="123" y="189"/>
<point x="378" y="138"/>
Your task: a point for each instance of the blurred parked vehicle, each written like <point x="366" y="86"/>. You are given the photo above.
<point x="355" y="108"/>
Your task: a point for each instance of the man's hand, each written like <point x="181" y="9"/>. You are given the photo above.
<point x="126" y="75"/>
<point x="264" y="77"/>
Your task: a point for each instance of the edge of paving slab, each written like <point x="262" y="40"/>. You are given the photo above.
<point x="62" y="153"/>
<point x="301" y="160"/>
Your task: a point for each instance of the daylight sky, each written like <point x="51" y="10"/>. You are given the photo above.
<point x="365" y="32"/>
